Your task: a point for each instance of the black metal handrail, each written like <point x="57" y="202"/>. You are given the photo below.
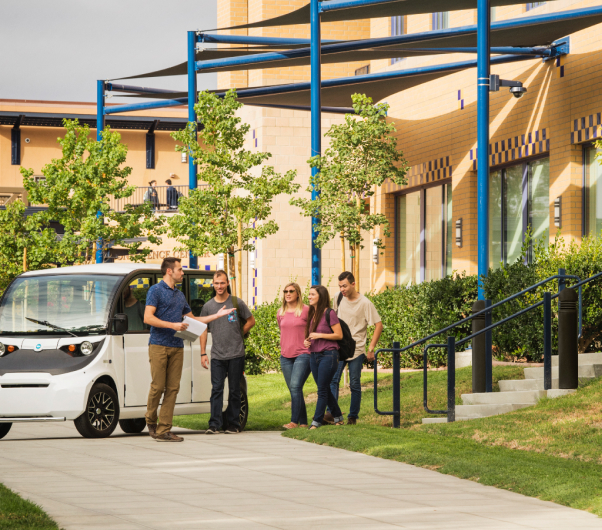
<point x="396" y="412"/>
<point x="547" y="338"/>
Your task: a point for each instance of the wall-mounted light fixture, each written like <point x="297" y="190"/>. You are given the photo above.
<point x="220" y="262"/>
<point x="459" y="232"/>
<point x="184" y="157"/>
<point x="558" y="212"/>
<point x="252" y="260"/>
<point x="375" y="250"/>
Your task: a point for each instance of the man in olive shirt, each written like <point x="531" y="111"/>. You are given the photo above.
<point x="358" y="313"/>
<point x="227" y="353"/>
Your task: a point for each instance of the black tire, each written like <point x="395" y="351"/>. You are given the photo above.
<point x="4" y="428"/>
<point x="135" y="426"/>
<point x="101" y="416"/>
<point x="244" y="411"/>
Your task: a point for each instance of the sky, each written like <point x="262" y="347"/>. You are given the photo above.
<point x="55" y="50"/>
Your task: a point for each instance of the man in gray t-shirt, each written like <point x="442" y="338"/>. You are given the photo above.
<point x="227" y="353"/>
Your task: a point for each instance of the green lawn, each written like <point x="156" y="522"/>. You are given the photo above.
<point x="552" y="450"/>
<point x="269" y="399"/>
<point x="18" y="514"/>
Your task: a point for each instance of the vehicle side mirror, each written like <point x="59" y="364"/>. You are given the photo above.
<point x="120" y="324"/>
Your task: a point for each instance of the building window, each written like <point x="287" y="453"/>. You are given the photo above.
<point x="364" y="70"/>
<point x="440" y="20"/>
<point x="493" y="14"/>
<point x="593" y="191"/>
<point x="533" y="5"/>
<point x="519" y="198"/>
<point x="398" y="27"/>
<point x="424" y="235"/>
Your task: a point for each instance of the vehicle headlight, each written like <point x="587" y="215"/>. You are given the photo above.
<point x="2" y="349"/>
<point x="86" y="348"/>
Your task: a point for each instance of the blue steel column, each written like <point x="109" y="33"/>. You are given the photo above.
<point x="100" y="125"/>
<point x="192" y="169"/>
<point x="483" y="26"/>
<point x="316" y="130"/>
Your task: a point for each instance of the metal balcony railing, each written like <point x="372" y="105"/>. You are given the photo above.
<point x="163" y="198"/>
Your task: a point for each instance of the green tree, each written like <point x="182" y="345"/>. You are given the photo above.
<point x="77" y="190"/>
<point x="363" y="153"/>
<point x="24" y="243"/>
<point x="232" y="208"/>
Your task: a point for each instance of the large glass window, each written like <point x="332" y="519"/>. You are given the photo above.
<point x="424" y="235"/>
<point x="593" y="192"/>
<point x="408" y="243"/>
<point x="532" y="5"/>
<point x="398" y="27"/>
<point x="440" y="20"/>
<point x="519" y="198"/>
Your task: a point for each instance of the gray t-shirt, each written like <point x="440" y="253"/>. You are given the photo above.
<point x="226" y="333"/>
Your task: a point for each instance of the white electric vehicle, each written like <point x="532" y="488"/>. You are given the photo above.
<point x="74" y="346"/>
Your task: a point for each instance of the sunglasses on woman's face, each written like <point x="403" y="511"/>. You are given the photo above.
<point x="289" y="292"/>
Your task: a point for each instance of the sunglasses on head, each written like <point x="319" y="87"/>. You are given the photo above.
<point x="290" y="291"/>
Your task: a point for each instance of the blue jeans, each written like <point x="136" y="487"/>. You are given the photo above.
<point x="355" y="384"/>
<point x="296" y="370"/>
<point x="232" y="369"/>
<point x="323" y="367"/>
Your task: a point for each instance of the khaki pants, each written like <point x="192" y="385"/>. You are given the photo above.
<point x="166" y="371"/>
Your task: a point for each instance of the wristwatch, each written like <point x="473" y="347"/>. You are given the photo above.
<point x="203" y="355"/>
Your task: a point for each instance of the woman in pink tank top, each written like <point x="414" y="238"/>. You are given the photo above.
<point x="294" y="356"/>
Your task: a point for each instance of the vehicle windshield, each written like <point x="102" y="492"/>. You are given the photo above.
<point x="76" y="302"/>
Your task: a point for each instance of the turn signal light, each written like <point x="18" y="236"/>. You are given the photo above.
<point x="10" y="348"/>
<point x="71" y="347"/>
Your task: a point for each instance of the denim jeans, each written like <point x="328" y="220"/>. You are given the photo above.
<point x="296" y="370"/>
<point x="233" y="370"/>
<point x="323" y="367"/>
<point x="355" y="384"/>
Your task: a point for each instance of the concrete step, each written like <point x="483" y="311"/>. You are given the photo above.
<point x="583" y="358"/>
<point x="585" y="370"/>
<point x="502" y="398"/>
<point x="517" y="385"/>
<point x="482" y="411"/>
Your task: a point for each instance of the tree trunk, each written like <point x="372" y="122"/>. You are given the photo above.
<point x="342" y="251"/>
<point x="356" y="272"/>
<point x="239" y="283"/>
<point x="231" y="270"/>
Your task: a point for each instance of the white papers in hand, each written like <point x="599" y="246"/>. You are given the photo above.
<point x="193" y="332"/>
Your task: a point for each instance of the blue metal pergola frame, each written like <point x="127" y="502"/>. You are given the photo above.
<point x="315" y="50"/>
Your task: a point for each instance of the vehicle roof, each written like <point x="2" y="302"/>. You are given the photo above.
<point x="120" y="269"/>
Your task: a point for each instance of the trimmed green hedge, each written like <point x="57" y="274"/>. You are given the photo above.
<point x="412" y="312"/>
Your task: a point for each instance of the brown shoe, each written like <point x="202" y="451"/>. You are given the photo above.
<point x="351" y="421"/>
<point x="169" y="437"/>
<point x="328" y="418"/>
<point x="152" y="429"/>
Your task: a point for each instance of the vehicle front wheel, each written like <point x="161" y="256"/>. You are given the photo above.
<point x="244" y="411"/>
<point x="134" y="426"/>
<point x="101" y="416"/>
<point x="4" y="428"/>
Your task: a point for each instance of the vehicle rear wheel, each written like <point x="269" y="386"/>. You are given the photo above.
<point x="4" y="428"/>
<point x="134" y="426"/>
<point x="100" y="418"/>
<point x="244" y="411"/>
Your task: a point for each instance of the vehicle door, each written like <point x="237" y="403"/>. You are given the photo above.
<point x="199" y="291"/>
<point x="137" y="376"/>
<point x="137" y="365"/>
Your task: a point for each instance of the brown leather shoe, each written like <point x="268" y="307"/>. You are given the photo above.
<point x="169" y="437"/>
<point x="351" y="421"/>
<point x="152" y="429"/>
<point x="328" y="418"/>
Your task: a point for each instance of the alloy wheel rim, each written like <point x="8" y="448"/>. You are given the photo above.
<point x="101" y="411"/>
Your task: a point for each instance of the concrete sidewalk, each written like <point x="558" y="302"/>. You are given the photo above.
<point x="250" y="481"/>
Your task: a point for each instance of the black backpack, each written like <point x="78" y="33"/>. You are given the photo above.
<point x="346" y="344"/>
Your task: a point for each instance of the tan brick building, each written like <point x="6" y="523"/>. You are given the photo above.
<point x="540" y="152"/>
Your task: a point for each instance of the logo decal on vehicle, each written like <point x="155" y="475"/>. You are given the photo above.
<point x="38" y="347"/>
